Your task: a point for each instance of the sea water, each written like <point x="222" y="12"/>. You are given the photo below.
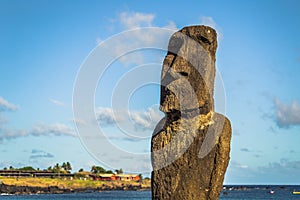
<point x="230" y="192"/>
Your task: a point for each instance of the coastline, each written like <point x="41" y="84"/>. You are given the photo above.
<point x="21" y="187"/>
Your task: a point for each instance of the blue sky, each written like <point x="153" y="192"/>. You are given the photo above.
<point x="44" y="43"/>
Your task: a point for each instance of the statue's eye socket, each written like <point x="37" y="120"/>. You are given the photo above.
<point x="204" y="40"/>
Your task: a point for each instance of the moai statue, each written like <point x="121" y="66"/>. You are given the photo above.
<point x="190" y="146"/>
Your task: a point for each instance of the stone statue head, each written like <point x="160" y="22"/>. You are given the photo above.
<point x="187" y="79"/>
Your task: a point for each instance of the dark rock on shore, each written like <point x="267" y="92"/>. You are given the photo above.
<point x="11" y="189"/>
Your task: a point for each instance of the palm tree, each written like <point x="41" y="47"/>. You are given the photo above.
<point x="64" y="166"/>
<point x="56" y="168"/>
<point x="49" y="168"/>
<point x="68" y="167"/>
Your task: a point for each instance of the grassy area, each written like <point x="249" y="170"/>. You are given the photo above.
<point x="68" y="183"/>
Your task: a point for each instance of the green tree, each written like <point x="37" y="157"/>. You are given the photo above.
<point x="57" y="168"/>
<point x="119" y="171"/>
<point x="68" y="167"/>
<point x="98" y="170"/>
<point x="27" y="168"/>
<point x="141" y="176"/>
<point x="64" y="166"/>
<point x="80" y="170"/>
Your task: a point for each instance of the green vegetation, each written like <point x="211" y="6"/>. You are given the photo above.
<point x="27" y="168"/>
<point x="65" y="168"/>
<point x="98" y="170"/>
<point x="80" y="170"/>
<point x="119" y="171"/>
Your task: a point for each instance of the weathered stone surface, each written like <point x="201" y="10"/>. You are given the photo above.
<point x="189" y="70"/>
<point x="190" y="146"/>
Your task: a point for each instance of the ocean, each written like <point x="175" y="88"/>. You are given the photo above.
<point x="230" y="192"/>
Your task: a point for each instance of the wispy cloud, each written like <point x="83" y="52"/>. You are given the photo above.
<point x="40" y="154"/>
<point x="57" y="102"/>
<point x="106" y="116"/>
<point x="235" y="164"/>
<point x="283" y="166"/>
<point x="138" y="38"/>
<point x="55" y="129"/>
<point x="245" y="150"/>
<point x="34" y="151"/>
<point x="132" y="20"/>
<point x="79" y="122"/>
<point x="286" y="115"/>
<point x="171" y="25"/>
<point x="39" y="130"/>
<point x="144" y="120"/>
<point x="287" y="172"/>
<point x="7" y="106"/>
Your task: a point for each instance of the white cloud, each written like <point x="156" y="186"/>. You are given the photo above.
<point x="80" y="122"/>
<point x="145" y="120"/>
<point x="137" y="38"/>
<point x="286" y="115"/>
<point x="235" y="164"/>
<point x="57" y="102"/>
<point x="171" y="25"/>
<point x="132" y="20"/>
<point x="55" y="129"/>
<point x="106" y="116"/>
<point x="39" y="130"/>
<point x="209" y="21"/>
<point x="7" y="106"/>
